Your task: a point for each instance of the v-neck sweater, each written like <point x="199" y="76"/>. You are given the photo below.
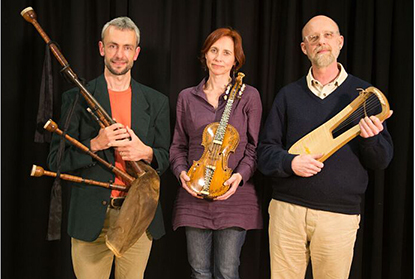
<point x="296" y="111"/>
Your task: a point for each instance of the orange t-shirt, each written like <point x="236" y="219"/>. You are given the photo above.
<point x="121" y="111"/>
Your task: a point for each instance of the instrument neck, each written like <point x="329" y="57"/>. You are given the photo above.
<point x="220" y="132"/>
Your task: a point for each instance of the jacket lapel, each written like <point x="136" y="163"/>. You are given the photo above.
<point x="140" y="117"/>
<point x="100" y="92"/>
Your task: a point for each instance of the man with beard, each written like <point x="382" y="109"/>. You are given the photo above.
<point x="315" y="207"/>
<point x="141" y="133"/>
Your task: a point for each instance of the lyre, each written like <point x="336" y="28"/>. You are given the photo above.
<point x="332" y="135"/>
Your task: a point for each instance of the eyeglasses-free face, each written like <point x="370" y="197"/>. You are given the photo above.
<point x="315" y="38"/>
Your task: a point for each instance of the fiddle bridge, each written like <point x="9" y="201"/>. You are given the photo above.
<point x="209" y="173"/>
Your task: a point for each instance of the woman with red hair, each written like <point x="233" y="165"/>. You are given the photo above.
<point x="216" y="230"/>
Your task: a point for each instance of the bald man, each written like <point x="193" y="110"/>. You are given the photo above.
<point x="315" y="207"/>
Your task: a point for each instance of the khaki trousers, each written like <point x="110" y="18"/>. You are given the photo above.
<point x="297" y="234"/>
<point x="93" y="260"/>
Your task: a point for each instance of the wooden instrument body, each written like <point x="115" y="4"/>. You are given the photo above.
<point x="321" y="140"/>
<point x="209" y="173"/>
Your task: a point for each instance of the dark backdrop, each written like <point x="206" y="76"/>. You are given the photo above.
<point x="378" y="48"/>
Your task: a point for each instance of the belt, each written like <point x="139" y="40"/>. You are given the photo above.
<point x="116" y="203"/>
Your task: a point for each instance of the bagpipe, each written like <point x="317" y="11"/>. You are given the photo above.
<point x="142" y="181"/>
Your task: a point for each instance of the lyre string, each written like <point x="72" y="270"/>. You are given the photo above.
<point x="370" y="104"/>
<point x="359" y="113"/>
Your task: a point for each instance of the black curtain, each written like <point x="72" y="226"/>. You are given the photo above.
<point x="378" y="48"/>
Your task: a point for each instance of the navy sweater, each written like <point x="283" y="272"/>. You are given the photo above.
<point x="296" y="111"/>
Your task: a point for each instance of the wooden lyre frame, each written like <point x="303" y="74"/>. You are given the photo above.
<point x="322" y="141"/>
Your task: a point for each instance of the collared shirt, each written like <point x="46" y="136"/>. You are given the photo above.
<point x="322" y="91"/>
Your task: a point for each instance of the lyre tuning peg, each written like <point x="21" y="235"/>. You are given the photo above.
<point x="361" y="90"/>
<point x="225" y="97"/>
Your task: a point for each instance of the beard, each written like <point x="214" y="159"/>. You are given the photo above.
<point x="325" y="59"/>
<point x="118" y="72"/>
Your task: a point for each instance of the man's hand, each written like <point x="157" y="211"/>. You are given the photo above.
<point x="107" y="136"/>
<point x="307" y="165"/>
<point x="134" y="149"/>
<point x="234" y="181"/>
<point x="370" y="127"/>
<point x="183" y="179"/>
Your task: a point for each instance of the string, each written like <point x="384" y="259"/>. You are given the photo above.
<point x="359" y="112"/>
<point x="372" y="103"/>
<point x="357" y="115"/>
<point x="214" y="154"/>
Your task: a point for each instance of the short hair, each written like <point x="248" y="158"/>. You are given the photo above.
<point x="122" y="23"/>
<point x="223" y="32"/>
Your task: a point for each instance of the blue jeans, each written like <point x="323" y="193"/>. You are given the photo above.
<point x="224" y="262"/>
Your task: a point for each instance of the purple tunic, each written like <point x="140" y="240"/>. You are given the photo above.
<point x="193" y="114"/>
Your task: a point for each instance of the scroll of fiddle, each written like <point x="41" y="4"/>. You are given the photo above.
<point x="344" y="126"/>
<point x="140" y="204"/>
<point x="209" y="173"/>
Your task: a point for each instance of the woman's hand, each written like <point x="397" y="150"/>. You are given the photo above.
<point x="233" y="181"/>
<point x="183" y="179"/>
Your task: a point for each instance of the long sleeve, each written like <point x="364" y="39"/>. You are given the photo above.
<point x="273" y="157"/>
<point x="247" y="165"/>
<point x="180" y="143"/>
<point x="73" y="158"/>
<point x="376" y="152"/>
<point x="161" y="141"/>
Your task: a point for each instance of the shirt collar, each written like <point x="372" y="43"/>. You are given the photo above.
<point x="341" y="77"/>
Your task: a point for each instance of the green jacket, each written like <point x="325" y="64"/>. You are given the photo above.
<point x="149" y="121"/>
